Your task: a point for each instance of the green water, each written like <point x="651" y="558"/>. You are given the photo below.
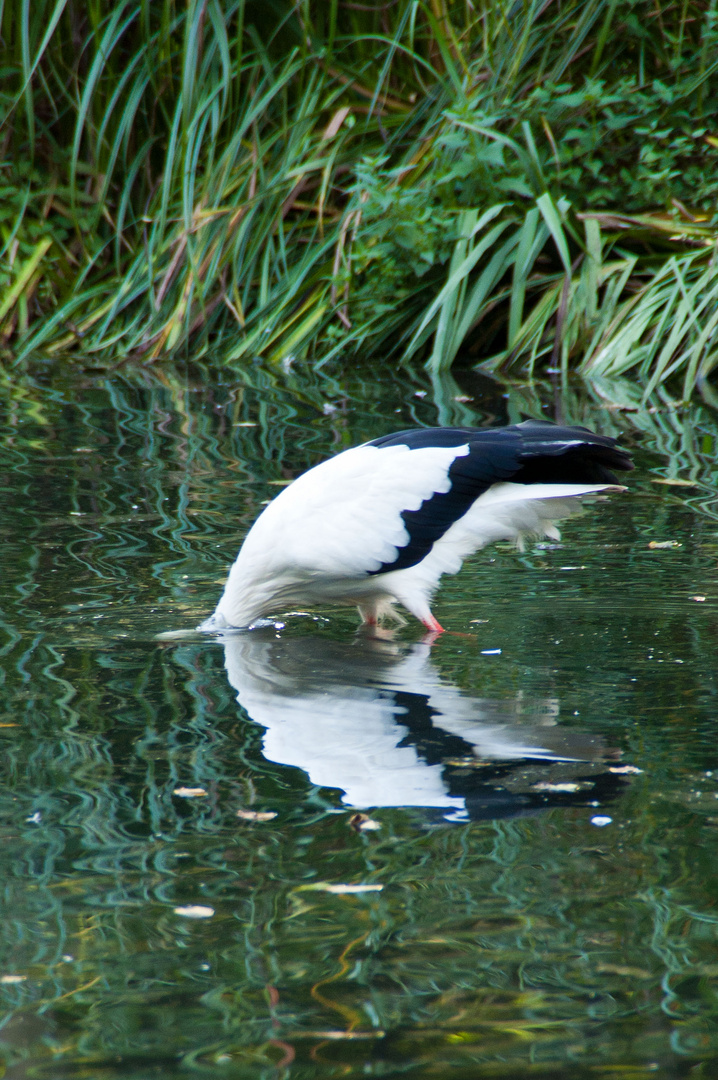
<point x="172" y="859"/>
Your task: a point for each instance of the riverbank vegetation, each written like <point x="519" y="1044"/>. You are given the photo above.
<point x="519" y="185"/>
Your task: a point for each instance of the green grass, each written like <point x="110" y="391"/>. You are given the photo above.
<point x="519" y="185"/>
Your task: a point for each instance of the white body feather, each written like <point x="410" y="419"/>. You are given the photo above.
<point x="319" y="540"/>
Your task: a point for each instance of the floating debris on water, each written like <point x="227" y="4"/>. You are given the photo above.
<point x="194" y="911"/>
<point x="363" y="823"/>
<point x="256" y="815"/>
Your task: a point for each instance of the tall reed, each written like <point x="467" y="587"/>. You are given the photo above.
<point x="520" y="183"/>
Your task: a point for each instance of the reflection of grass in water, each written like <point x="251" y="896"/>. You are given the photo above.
<point x="488" y="940"/>
<point x="684" y="436"/>
<point x="517" y="904"/>
<point x="494" y="934"/>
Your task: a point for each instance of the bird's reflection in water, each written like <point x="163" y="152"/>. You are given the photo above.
<point x="375" y="719"/>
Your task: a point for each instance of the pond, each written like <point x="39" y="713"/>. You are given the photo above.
<point x="303" y="852"/>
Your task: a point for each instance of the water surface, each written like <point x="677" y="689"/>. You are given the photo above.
<point x="304" y="852"/>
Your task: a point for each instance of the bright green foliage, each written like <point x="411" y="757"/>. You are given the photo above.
<point x="517" y="182"/>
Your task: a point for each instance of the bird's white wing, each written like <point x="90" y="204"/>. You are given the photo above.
<point x="344" y="516"/>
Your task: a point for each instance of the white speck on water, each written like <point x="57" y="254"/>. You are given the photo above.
<point x="194" y="911"/>
<point x="340" y="889"/>
<point x="599" y="821"/>
<point x="491" y="652"/>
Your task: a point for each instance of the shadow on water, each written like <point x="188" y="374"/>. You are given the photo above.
<point x="375" y="719"/>
<point x="189" y="883"/>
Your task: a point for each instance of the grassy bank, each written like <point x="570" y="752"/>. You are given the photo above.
<point x="523" y="184"/>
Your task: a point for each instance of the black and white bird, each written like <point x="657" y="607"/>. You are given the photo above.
<point x="379" y="524"/>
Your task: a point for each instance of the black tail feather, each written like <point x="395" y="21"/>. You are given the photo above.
<point x="551" y="454"/>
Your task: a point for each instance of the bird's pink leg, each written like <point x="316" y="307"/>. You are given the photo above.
<point x="433" y="624"/>
<point x="368" y="614"/>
